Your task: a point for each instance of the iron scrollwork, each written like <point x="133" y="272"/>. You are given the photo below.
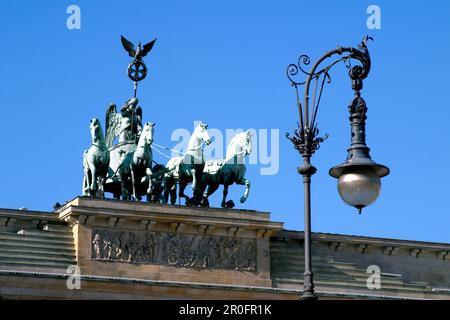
<point x="306" y="138"/>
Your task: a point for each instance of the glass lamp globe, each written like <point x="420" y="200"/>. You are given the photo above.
<point x="359" y="186"/>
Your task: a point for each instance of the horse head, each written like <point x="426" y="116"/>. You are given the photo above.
<point x="246" y="141"/>
<point x="96" y="131"/>
<point x="201" y="133"/>
<point x="240" y="146"/>
<point x="146" y="137"/>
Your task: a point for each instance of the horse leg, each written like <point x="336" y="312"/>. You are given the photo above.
<point x="247" y="184"/>
<point x="93" y="179"/>
<point x="225" y="193"/>
<point x="192" y="172"/>
<point x="161" y="192"/>
<point x="124" y="190"/>
<point x="86" y="182"/>
<point x="211" y="189"/>
<point x="181" y="192"/>
<point x="133" y="183"/>
<point x="149" y="174"/>
<point x="123" y="184"/>
<point x="100" y="192"/>
<point x="173" y="194"/>
<point x="168" y="183"/>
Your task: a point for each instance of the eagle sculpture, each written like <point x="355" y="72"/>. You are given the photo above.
<point x="137" y="52"/>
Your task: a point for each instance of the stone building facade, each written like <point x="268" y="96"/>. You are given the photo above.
<point x="109" y="249"/>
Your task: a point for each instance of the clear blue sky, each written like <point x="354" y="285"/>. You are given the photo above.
<point x="224" y="62"/>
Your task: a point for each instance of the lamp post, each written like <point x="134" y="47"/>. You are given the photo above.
<point x="359" y="176"/>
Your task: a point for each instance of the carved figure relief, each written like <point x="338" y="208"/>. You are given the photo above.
<point x="174" y="249"/>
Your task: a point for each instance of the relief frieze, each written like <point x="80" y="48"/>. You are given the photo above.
<point x="173" y="249"/>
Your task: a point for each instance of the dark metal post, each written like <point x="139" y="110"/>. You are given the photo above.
<point x="307" y="170"/>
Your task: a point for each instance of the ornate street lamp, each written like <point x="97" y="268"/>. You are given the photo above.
<point x="359" y="176"/>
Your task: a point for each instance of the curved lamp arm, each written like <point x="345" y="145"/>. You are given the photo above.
<point x="306" y="139"/>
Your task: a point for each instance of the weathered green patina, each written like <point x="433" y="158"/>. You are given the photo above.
<point x="122" y="162"/>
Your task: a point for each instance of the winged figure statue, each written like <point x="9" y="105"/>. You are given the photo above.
<point x="126" y="124"/>
<point x="137" y="52"/>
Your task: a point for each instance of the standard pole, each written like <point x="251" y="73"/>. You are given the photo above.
<point x="307" y="170"/>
